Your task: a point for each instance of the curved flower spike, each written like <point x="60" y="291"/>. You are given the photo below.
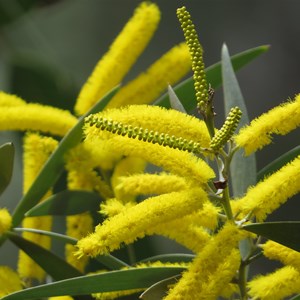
<point x="133" y="223"/>
<point x="124" y="51"/>
<point x="9" y="281"/>
<point x="37" y="117"/>
<point x="5" y="221"/>
<point x="278" y="285"/>
<point x="279" y="120"/>
<point x="10" y="100"/>
<point x="269" y="194"/>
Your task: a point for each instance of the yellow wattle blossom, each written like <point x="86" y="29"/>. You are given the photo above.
<point x="206" y="265"/>
<point x="146" y="88"/>
<point x="122" y="54"/>
<point x="10" y="100"/>
<point x="113" y="206"/>
<point x="185" y="126"/>
<point x="5" y="221"/>
<point x="282" y="283"/>
<point x="270" y="193"/>
<point x="273" y="250"/>
<point x="173" y="160"/>
<point x="9" y="281"/>
<point x="129" y="225"/>
<point x="279" y="120"/>
<point x="143" y="184"/>
<point x="37" y="117"/>
<point x="37" y="150"/>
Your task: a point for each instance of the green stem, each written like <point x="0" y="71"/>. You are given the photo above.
<point x="243" y="280"/>
<point x="226" y="204"/>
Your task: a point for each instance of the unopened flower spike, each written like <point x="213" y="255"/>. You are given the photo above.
<point x="227" y="130"/>
<point x="203" y="93"/>
<point x="142" y="134"/>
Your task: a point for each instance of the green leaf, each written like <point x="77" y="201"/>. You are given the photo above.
<point x="171" y="258"/>
<point x="55" y="266"/>
<point x="159" y="289"/>
<point x="66" y="203"/>
<point x="109" y="261"/>
<point x="7" y="152"/>
<point x="140" y="278"/>
<point x="185" y="90"/>
<point x="242" y="169"/>
<point x="297" y="297"/>
<point x="285" y="233"/>
<point x="54" y="165"/>
<point x="174" y="101"/>
<point x="278" y="163"/>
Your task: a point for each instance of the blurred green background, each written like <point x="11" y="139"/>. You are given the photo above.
<point x="48" y="49"/>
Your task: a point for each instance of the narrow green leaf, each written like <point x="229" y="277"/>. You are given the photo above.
<point x="285" y="233"/>
<point x="7" y="152"/>
<point x="55" y="266"/>
<point x="66" y="203"/>
<point x="174" y="101"/>
<point x="242" y="169"/>
<point x="140" y="278"/>
<point x="159" y="289"/>
<point x="278" y="163"/>
<point x="54" y="166"/>
<point x="58" y="236"/>
<point x="185" y="90"/>
<point x="297" y="297"/>
<point x="171" y="258"/>
<point x="111" y="262"/>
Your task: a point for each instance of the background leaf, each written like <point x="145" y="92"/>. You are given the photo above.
<point x="54" y="165"/>
<point x="66" y="203"/>
<point x="7" y="152"/>
<point x="105" y="282"/>
<point x="172" y="258"/>
<point x="285" y="233"/>
<point x="278" y="163"/>
<point x="185" y="90"/>
<point x="159" y="289"/>
<point x="55" y="266"/>
<point x="242" y="169"/>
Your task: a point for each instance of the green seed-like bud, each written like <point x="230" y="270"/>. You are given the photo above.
<point x="196" y="52"/>
<point x="227" y="130"/>
<point x="144" y="135"/>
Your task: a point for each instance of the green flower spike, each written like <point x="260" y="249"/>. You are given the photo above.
<point x="203" y="94"/>
<point x="227" y="130"/>
<point x="145" y="135"/>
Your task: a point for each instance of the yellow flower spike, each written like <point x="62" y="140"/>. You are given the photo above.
<point x="37" y="117"/>
<point x="273" y="250"/>
<point x="279" y="120"/>
<point x="282" y="283"/>
<point x="9" y="281"/>
<point x="122" y="54"/>
<point x="227" y="130"/>
<point x="173" y="160"/>
<point x="10" y="100"/>
<point x="144" y="89"/>
<point x="205" y="267"/>
<point x="131" y="224"/>
<point x="125" y="167"/>
<point x="5" y="221"/>
<point x="37" y="150"/>
<point x="143" y="184"/>
<point x="185" y="126"/>
<point x="268" y="195"/>
<point x="196" y="53"/>
<point x="190" y="236"/>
